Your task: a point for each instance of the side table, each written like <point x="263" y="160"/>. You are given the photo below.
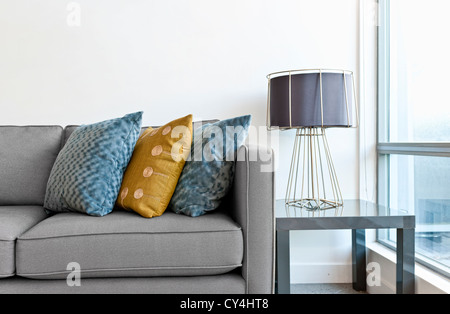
<point x="357" y="215"/>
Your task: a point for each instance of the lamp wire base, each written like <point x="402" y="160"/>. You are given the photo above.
<point x="313" y="183"/>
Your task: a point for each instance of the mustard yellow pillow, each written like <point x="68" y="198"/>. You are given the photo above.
<point x="155" y="167"/>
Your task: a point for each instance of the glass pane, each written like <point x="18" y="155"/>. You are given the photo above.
<point x="419" y="71"/>
<point x="421" y="186"/>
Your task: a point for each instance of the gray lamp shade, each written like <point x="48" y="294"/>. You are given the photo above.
<point x="311" y="98"/>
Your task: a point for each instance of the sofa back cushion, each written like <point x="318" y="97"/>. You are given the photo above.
<point x="27" y="154"/>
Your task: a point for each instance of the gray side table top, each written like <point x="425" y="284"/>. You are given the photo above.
<point x="355" y="214"/>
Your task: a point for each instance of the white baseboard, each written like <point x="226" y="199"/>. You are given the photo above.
<point x="427" y="282"/>
<point x="302" y="273"/>
<point x="333" y="273"/>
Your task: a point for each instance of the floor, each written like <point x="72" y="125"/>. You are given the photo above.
<point x="324" y="289"/>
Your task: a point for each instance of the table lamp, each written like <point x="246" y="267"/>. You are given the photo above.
<point x="312" y="101"/>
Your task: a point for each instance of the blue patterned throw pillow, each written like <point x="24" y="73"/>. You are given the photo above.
<point x="209" y="172"/>
<point x="88" y="171"/>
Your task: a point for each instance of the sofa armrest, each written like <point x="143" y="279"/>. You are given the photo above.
<point x="253" y="203"/>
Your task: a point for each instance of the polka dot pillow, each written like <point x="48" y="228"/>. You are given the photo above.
<point x="155" y="167"/>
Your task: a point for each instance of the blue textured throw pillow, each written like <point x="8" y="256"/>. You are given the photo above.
<point x="88" y="171"/>
<point x="209" y="172"/>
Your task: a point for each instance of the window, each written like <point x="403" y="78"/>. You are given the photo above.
<point x="414" y="122"/>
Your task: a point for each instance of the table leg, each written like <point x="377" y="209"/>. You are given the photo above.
<point x="283" y="273"/>
<point x="405" y="261"/>
<point x="359" y="259"/>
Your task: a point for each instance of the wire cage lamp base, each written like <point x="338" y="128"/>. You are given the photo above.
<point x="312" y="183"/>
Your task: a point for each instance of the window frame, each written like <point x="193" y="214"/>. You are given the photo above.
<point x="386" y="148"/>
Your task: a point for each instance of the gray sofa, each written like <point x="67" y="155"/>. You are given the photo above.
<point x="226" y="251"/>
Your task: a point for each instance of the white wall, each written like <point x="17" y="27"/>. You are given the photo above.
<point x="170" y="58"/>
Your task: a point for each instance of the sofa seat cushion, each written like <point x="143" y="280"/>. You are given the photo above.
<point x="27" y="155"/>
<point x="124" y="244"/>
<point x="14" y="221"/>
